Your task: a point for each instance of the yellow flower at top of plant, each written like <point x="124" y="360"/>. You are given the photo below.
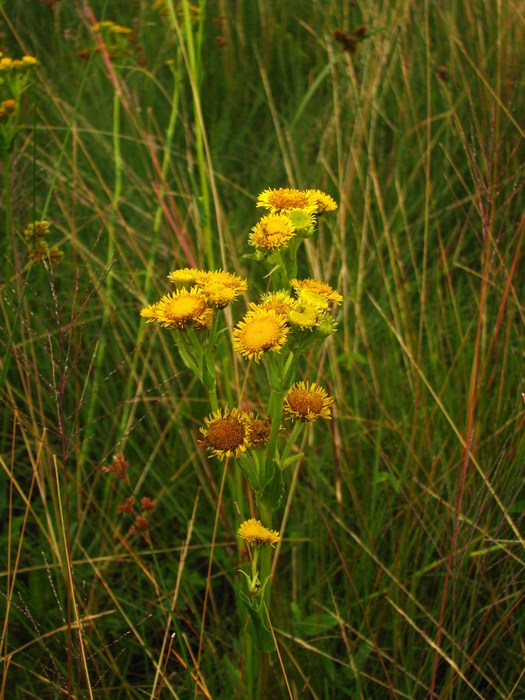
<point x="179" y="309"/>
<point x="280" y="302"/>
<point x="306" y="402"/>
<point x="260" y="331"/>
<point x="253" y="532"/>
<point x="226" y="434"/>
<point x="322" y="289"/>
<point x="184" y="277"/>
<point x="272" y="232"/>
<point x="285" y="199"/>
<point x="323" y="202"/>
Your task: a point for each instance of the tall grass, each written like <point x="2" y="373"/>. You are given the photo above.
<point x="400" y="573"/>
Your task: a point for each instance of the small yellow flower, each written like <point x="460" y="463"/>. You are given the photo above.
<point x="261" y="331"/>
<point x="254" y="532"/>
<point x="322" y="289"/>
<point x="183" y="278"/>
<point x="323" y="202"/>
<point x="179" y="309"/>
<point x="272" y="231"/>
<point x="303" y="315"/>
<point x="226" y="435"/>
<point x="306" y="402"/>
<point x="216" y="282"/>
<point x="29" y="61"/>
<point x="285" y="199"/>
<point x="280" y="302"/>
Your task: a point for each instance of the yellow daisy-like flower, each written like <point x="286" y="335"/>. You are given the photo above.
<point x="254" y="532"/>
<point x="226" y="434"/>
<point x="183" y="278"/>
<point x="179" y="309"/>
<point x="323" y="202"/>
<point x="220" y="278"/>
<point x="272" y="232"/>
<point x="261" y="331"/>
<point x="320" y="288"/>
<point x="218" y="294"/>
<point x="306" y="402"/>
<point x="303" y="315"/>
<point x="284" y="199"/>
<point x="280" y="302"/>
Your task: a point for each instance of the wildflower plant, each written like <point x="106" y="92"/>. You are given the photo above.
<point x="275" y="332"/>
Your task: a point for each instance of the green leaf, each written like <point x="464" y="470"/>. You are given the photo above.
<point x="261" y="634"/>
<point x="272" y="492"/>
<point x="291" y="460"/>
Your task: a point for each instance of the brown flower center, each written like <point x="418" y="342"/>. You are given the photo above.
<point x="226" y="434"/>
<point x="304" y="402"/>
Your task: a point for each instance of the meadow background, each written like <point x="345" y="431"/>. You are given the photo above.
<point x="400" y="573"/>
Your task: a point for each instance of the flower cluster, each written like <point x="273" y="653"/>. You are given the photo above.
<point x="198" y="294"/>
<point x="38" y="249"/>
<point x="120" y="42"/>
<point x="15" y="76"/>
<point x="284" y="316"/>
<point x="291" y="214"/>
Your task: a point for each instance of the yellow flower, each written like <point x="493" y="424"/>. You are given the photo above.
<point x="260" y="331"/>
<point x="226" y="435"/>
<point x="29" y="61"/>
<point x="259" y="430"/>
<point x="272" y="231"/>
<point x="285" y="199"/>
<point x="320" y="288"/>
<point x="306" y="402"/>
<point x="179" y="309"/>
<point x="280" y="302"/>
<point x="220" y="287"/>
<point x="303" y="315"/>
<point x="254" y="532"/>
<point x="323" y="202"/>
<point x="183" y="278"/>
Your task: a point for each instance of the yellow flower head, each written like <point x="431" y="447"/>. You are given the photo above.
<point x="272" y="231"/>
<point x="306" y="402"/>
<point x="323" y="202"/>
<point x="254" y="532"/>
<point x="226" y="434"/>
<point x="259" y="430"/>
<point x="183" y="278"/>
<point x="285" y="199"/>
<point x="280" y="302"/>
<point x="220" y="285"/>
<point x="179" y="309"/>
<point x="260" y="331"/>
<point x="303" y="315"/>
<point x="322" y="289"/>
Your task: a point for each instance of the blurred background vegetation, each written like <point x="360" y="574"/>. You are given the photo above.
<point x="145" y="147"/>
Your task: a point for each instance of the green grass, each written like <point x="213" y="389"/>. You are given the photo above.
<point x="400" y="573"/>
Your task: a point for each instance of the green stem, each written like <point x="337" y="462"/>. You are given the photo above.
<point x="266" y="569"/>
